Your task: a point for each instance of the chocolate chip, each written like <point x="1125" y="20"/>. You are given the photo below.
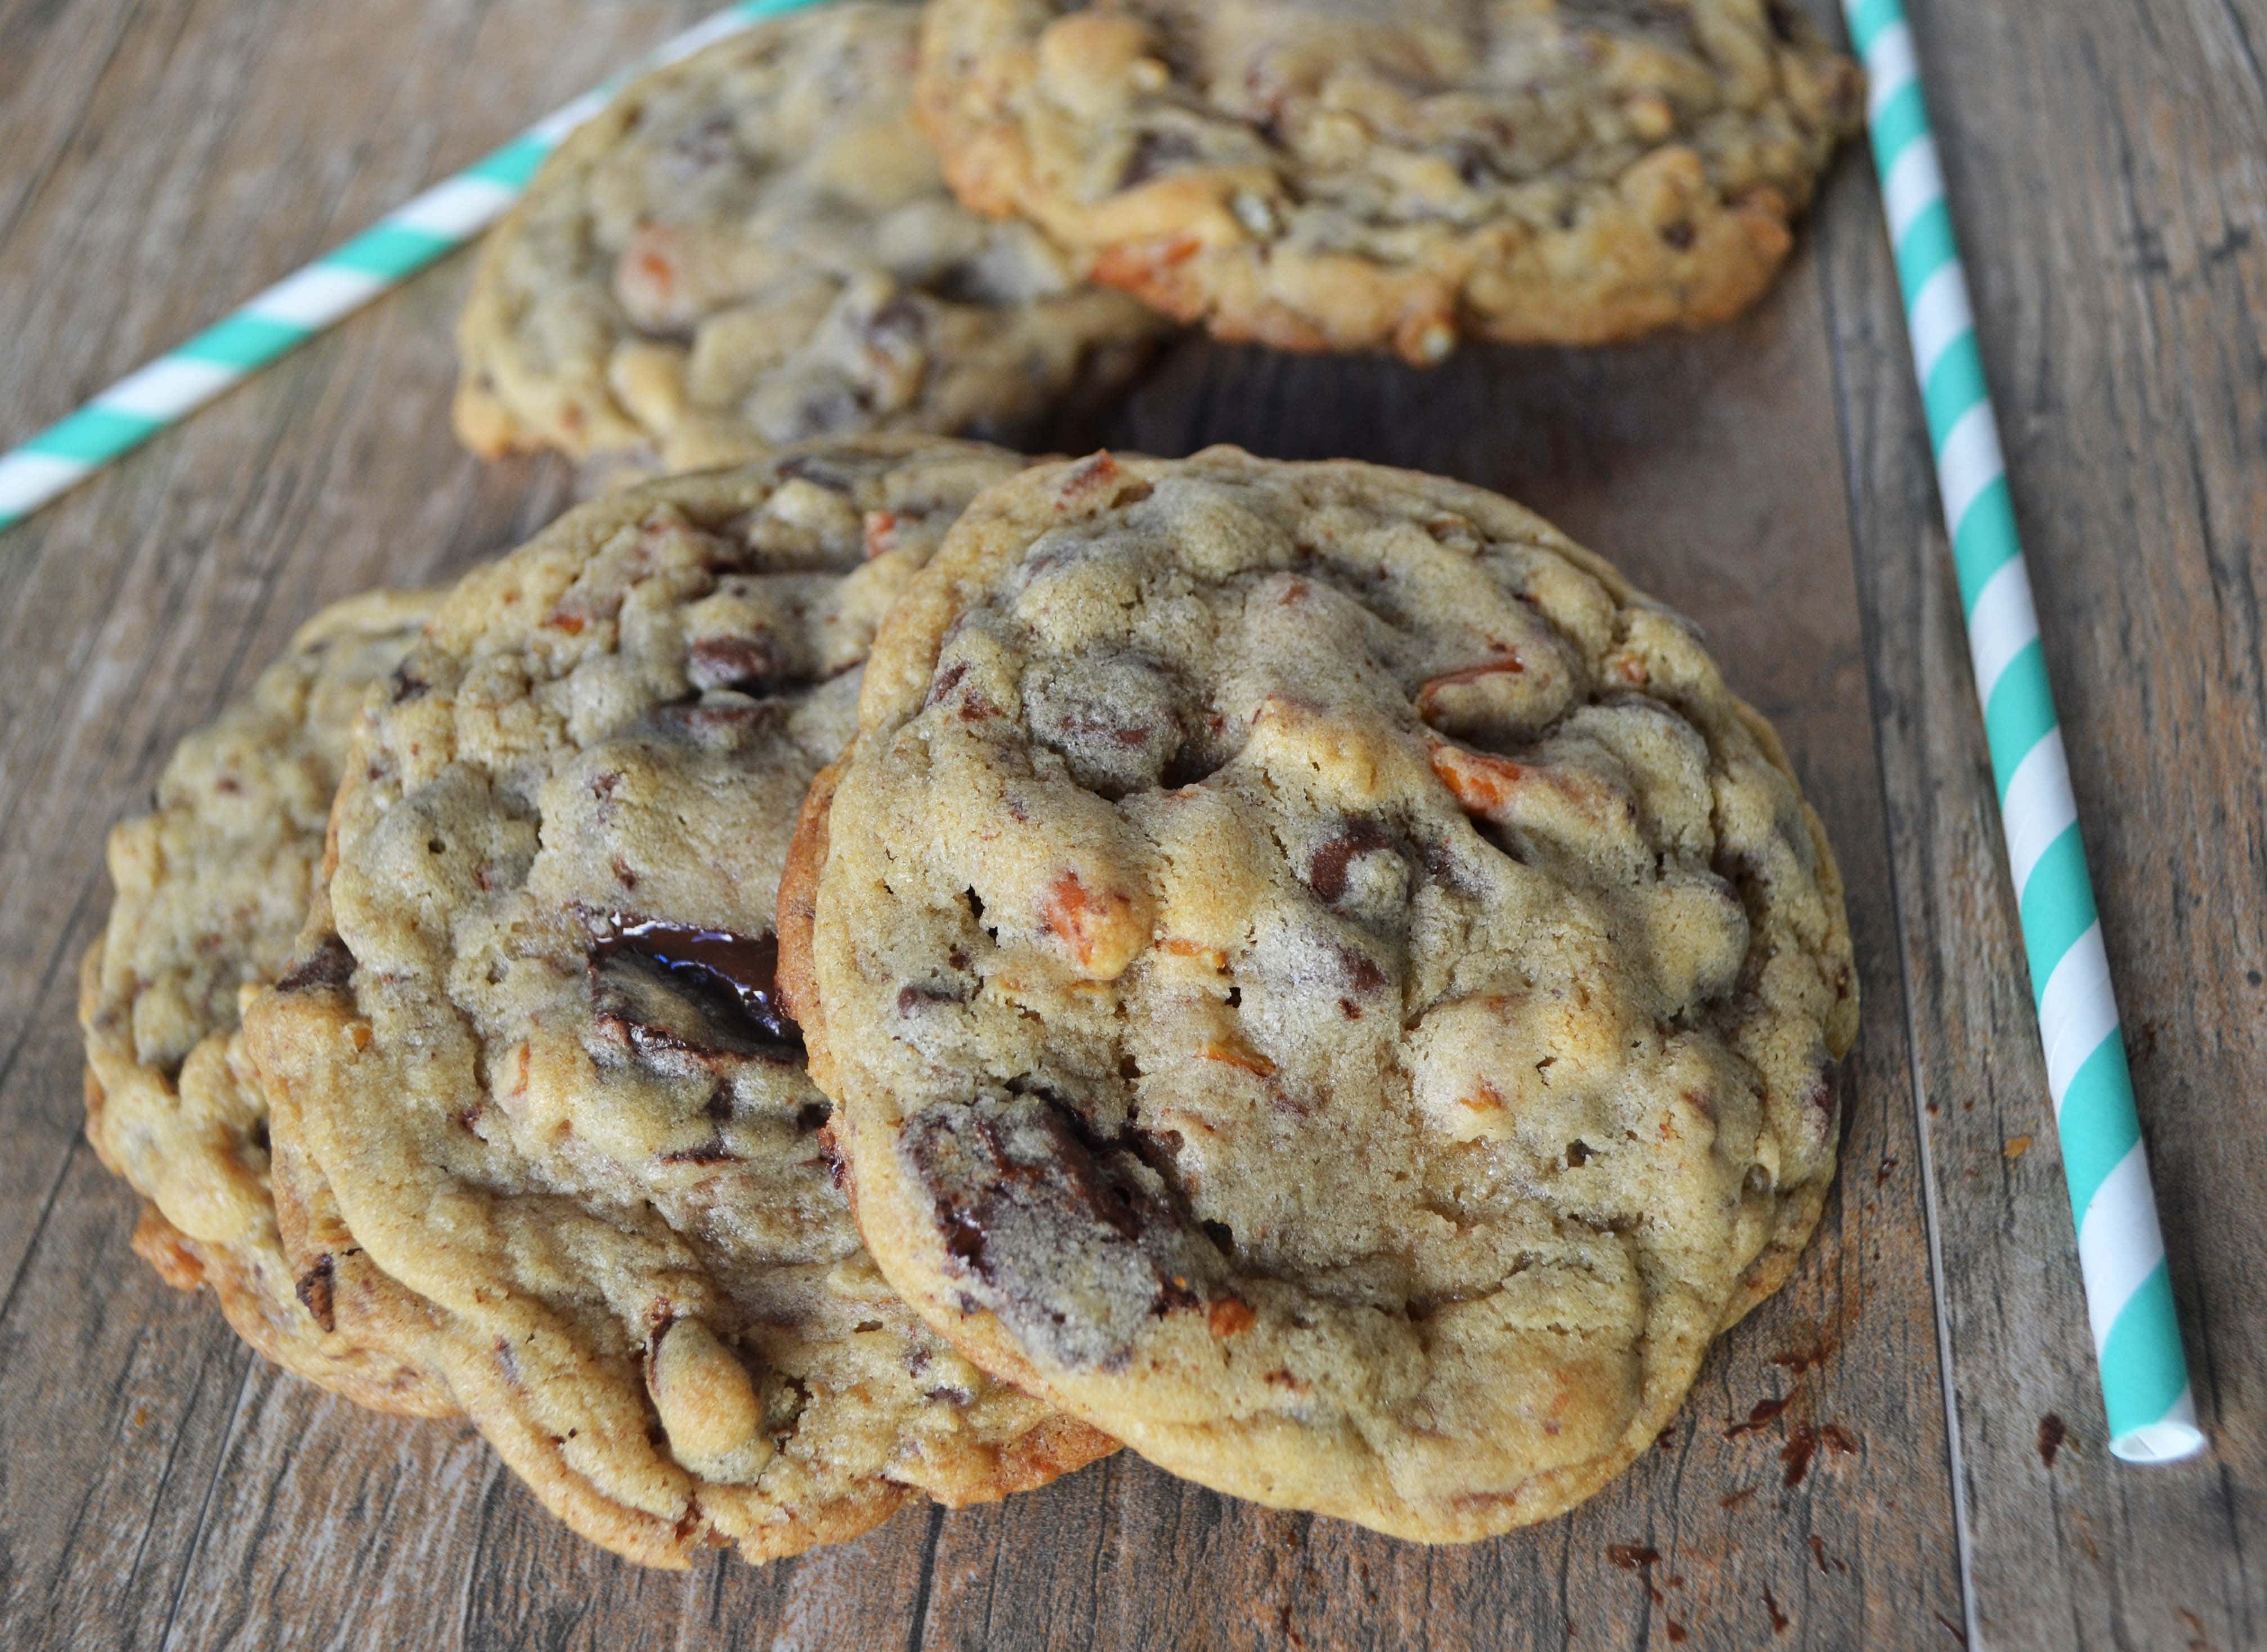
<point x="1362" y="971"/>
<point x="1154" y="152"/>
<point x="712" y="1151"/>
<point x="912" y="999"/>
<point x="825" y="410"/>
<point x="327" y="969"/>
<point x="755" y="666"/>
<point x="810" y="467"/>
<point x="700" y="148"/>
<point x="1472" y="165"/>
<point x="1114" y="719"/>
<point x="314" y="1290"/>
<point x="947" y="680"/>
<point x="1326" y="867"/>
<point x="966" y="282"/>
<point x="1679" y="235"/>
<point x="901" y="323"/>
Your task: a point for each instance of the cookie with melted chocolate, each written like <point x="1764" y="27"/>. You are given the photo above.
<point x="754" y="246"/>
<point x="1320" y="979"/>
<point x="542" y="1111"/>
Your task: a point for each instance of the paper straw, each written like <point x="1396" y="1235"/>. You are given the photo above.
<point x="313" y="298"/>
<point x="2129" y="1294"/>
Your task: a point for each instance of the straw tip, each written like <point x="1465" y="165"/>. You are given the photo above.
<point x="2168" y="1441"/>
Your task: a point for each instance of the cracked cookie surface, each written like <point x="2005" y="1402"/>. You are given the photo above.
<point x="1322" y="980"/>
<point x="550" y="1122"/>
<point x="210" y="887"/>
<point x="1357" y="174"/>
<point x="755" y="246"/>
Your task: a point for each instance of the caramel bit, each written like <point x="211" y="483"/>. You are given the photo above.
<point x="657" y="270"/>
<point x="1133" y="266"/>
<point x="881" y="528"/>
<point x="1181" y="947"/>
<point x="1490" y="1100"/>
<point x="1089" y="475"/>
<point x="1631" y="670"/>
<point x="1231" y="1316"/>
<point x="1482" y="784"/>
<point x="1096" y="925"/>
<point x="1237" y="1053"/>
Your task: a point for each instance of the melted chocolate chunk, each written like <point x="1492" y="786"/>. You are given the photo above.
<point x="716" y="963"/>
<point x="1072" y="1240"/>
<point x="326" y="968"/>
<point x="1326" y="872"/>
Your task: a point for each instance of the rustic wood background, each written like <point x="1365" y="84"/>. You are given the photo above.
<point x="160" y="159"/>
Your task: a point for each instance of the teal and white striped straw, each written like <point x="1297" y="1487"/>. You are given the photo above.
<point x="306" y="303"/>
<point x="2129" y="1294"/>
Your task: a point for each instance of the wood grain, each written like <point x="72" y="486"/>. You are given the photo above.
<point x="160" y="1488"/>
<point x="2119" y="250"/>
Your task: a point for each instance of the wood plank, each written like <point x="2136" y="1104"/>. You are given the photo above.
<point x="2103" y="164"/>
<point x="185" y="152"/>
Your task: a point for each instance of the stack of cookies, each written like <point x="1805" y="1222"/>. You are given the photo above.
<point x="758" y="245"/>
<point x="893" y="968"/>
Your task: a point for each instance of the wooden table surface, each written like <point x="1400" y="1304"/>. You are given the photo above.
<point x="160" y="159"/>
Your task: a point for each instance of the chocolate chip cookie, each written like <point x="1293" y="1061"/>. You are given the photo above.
<point x="209" y="888"/>
<point x="1321" y="979"/>
<point x="554" y="1123"/>
<point x="1354" y="174"/>
<point x="754" y="246"/>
